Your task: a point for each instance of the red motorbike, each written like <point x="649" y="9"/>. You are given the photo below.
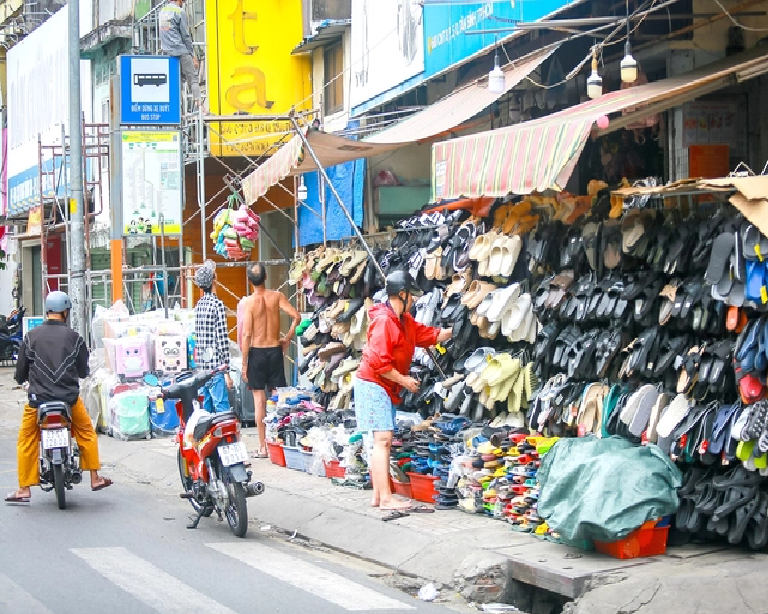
<point x="213" y="468"/>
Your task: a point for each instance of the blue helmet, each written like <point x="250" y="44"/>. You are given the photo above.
<point x="57" y="302"/>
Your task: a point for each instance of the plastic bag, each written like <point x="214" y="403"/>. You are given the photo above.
<point x="603" y="489"/>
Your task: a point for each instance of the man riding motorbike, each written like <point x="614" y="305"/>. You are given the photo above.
<point x="52" y="358"/>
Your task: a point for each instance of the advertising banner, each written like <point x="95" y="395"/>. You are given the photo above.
<point x="446" y="28"/>
<point x="38" y="104"/>
<point x="251" y="72"/>
<point x="387" y="46"/>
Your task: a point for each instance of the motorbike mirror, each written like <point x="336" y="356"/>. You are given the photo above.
<point x="151" y="379"/>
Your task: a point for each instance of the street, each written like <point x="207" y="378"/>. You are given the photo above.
<point x="127" y="550"/>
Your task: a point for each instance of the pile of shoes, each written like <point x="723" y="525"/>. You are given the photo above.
<point x="486" y="381"/>
<point x="730" y="504"/>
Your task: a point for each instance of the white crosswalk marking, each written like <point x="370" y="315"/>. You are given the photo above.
<point x="147" y="583"/>
<point x="13" y="598"/>
<point x="308" y="577"/>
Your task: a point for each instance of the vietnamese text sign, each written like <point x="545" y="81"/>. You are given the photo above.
<point x="151" y="181"/>
<point x="150" y="90"/>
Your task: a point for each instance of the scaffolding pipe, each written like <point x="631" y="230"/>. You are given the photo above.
<point x="336" y="195"/>
<point x="201" y="178"/>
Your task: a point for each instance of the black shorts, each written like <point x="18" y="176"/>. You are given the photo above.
<point x="265" y="369"/>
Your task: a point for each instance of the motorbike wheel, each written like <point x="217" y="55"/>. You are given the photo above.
<point x="58" y="484"/>
<point x="237" y="509"/>
<point x="186" y="484"/>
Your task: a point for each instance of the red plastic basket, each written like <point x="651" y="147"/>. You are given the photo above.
<point x="276" y="453"/>
<point x="333" y="470"/>
<point x="423" y="487"/>
<point x="400" y="488"/>
<point x="645" y="541"/>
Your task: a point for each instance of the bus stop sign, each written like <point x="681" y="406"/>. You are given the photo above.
<point x="150" y="90"/>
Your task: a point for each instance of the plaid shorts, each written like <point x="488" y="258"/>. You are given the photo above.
<point x="373" y="407"/>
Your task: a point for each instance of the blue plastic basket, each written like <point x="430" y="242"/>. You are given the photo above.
<point x="309" y="459"/>
<point x="293" y="458"/>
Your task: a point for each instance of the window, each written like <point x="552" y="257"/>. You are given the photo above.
<point x="334" y="79"/>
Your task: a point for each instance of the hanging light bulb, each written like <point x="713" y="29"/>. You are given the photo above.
<point x="496" y="81"/>
<point x="595" y="81"/>
<point x="628" y="66"/>
<point x="302" y="191"/>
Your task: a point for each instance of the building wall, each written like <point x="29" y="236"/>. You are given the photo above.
<point x="337" y="121"/>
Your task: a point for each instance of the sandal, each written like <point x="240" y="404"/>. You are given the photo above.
<point x="105" y="483"/>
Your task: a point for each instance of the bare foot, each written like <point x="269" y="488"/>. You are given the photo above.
<point x="375" y="502"/>
<point x="395" y="504"/>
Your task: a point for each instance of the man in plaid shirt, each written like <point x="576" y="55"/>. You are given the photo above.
<point x="212" y="343"/>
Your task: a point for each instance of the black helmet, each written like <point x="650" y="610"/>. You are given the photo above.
<point x="401" y="281"/>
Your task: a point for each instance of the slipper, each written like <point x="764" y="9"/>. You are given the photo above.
<point x="106" y="483"/>
<point x="395" y="515"/>
<point x="258" y="455"/>
<point x="719" y="258"/>
<point x="421" y="509"/>
<point x="13" y="498"/>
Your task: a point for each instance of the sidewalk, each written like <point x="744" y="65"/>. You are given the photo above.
<point x="480" y="557"/>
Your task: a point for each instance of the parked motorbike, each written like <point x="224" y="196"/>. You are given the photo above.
<point x="59" y="455"/>
<point x="212" y="468"/>
<point x="11" y="336"/>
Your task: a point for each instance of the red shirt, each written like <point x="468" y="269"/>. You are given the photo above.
<point x="391" y="343"/>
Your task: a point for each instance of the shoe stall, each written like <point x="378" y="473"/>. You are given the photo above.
<point x="633" y="314"/>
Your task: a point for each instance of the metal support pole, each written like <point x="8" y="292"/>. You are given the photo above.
<point x="321" y="177"/>
<point x="117" y="246"/>
<point x="295" y="215"/>
<point x="161" y="219"/>
<point x="201" y="178"/>
<point x="77" y="292"/>
<point x="320" y="168"/>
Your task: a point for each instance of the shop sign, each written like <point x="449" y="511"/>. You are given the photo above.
<point x="30" y="322"/>
<point x="35" y="220"/>
<point x="251" y="72"/>
<point x="152" y="182"/>
<point x="150" y="90"/>
<point x="38" y="105"/>
<point x="387" y="46"/>
<point x="446" y="26"/>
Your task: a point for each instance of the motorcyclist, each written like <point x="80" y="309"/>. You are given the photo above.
<point x="52" y="358"/>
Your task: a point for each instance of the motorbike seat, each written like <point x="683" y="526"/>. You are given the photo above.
<point x="206" y="423"/>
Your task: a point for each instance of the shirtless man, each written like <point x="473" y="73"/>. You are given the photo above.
<point x="262" y="345"/>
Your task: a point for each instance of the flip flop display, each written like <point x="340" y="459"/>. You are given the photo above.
<point x="598" y="316"/>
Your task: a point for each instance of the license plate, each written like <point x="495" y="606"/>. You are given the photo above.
<point x="55" y="438"/>
<point x="233" y="453"/>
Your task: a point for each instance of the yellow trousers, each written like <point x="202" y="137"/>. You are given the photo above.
<point x="28" y="447"/>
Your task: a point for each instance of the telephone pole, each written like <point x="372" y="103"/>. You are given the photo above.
<point x="76" y="180"/>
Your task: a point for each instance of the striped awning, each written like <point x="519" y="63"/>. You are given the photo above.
<point x="541" y="154"/>
<point x="293" y="159"/>
<point x="461" y="104"/>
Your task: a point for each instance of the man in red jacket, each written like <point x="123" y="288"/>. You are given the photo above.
<point x="393" y="335"/>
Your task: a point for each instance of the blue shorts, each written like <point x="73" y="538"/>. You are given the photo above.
<point x="373" y="407"/>
<point x="215" y="394"/>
